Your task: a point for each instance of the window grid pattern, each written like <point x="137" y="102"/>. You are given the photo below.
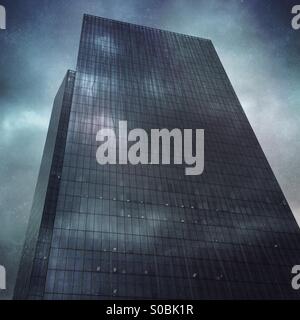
<point x="149" y="231"/>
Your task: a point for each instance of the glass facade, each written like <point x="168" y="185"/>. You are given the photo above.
<point x="150" y="231"/>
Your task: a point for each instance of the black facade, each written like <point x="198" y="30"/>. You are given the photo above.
<point x="150" y="231"/>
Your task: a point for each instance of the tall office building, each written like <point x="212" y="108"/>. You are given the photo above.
<point x="150" y="231"/>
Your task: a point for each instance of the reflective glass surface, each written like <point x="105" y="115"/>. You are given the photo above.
<point x="150" y="231"/>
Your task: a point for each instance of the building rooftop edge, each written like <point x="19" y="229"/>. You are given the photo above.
<point x="146" y="27"/>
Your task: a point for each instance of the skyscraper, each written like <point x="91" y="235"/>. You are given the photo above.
<point x="150" y="231"/>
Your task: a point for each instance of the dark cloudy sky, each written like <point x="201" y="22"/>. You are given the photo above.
<point x="254" y="38"/>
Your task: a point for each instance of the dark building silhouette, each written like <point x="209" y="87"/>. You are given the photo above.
<point x="150" y="231"/>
